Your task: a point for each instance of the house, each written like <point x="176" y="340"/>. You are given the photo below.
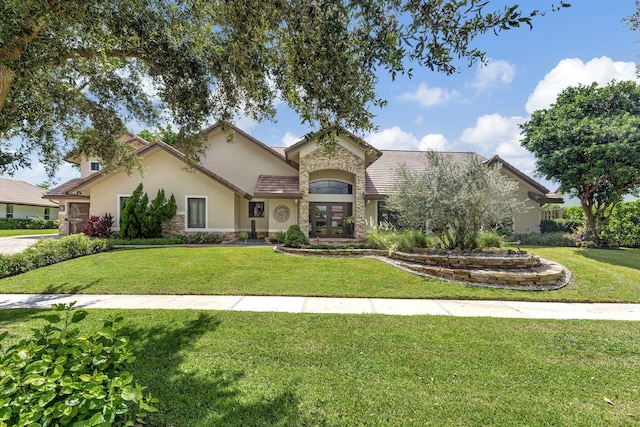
<point x="248" y="186"/>
<point x="19" y="199"/>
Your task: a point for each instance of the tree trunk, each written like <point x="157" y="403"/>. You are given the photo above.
<point x="6" y="80"/>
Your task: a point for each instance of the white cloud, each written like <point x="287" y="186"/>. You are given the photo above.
<point x="289" y="139"/>
<point x="397" y="139"/>
<point x="393" y="139"/>
<point x="428" y="97"/>
<point x="433" y="141"/>
<point x="571" y="72"/>
<point x="492" y="130"/>
<point x="495" y="72"/>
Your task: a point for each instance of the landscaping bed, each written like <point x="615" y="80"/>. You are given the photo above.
<point x="502" y="269"/>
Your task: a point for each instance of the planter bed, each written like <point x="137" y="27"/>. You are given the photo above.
<point x="516" y="271"/>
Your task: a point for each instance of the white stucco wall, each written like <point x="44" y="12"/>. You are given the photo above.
<point x="27" y="211"/>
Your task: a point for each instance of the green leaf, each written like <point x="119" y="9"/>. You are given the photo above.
<point x="52" y="318"/>
<point x="78" y="316"/>
<point x="130" y="394"/>
<point x="5" y="413"/>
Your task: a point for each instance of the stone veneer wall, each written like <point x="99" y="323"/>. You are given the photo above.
<point x="343" y="160"/>
<point x="173" y="226"/>
<point x="63" y="224"/>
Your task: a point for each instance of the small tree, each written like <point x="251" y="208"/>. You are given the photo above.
<point x="455" y="200"/>
<point x="130" y="224"/>
<point x="139" y="219"/>
<point x="158" y="211"/>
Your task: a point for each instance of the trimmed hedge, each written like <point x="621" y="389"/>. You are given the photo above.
<point x="51" y="251"/>
<point x="35" y="223"/>
<point x="561" y="225"/>
<point x="548" y="239"/>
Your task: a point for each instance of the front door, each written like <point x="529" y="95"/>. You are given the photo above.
<point x="78" y="216"/>
<point x="327" y="219"/>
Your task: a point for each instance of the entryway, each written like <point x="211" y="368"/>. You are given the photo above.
<point x="328" y="219"/>
<point x="78" y="216"/>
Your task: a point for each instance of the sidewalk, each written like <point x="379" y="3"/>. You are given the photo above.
<point x="408" y="307"/>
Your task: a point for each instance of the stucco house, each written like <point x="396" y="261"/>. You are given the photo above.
<point x="248" y="186"/>
<point x="21" y="200"/>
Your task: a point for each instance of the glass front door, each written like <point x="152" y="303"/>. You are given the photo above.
<point x="328" y="219"/>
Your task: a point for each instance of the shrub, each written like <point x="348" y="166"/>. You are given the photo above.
<point x="623" y="228"/>
<point x="489" y="239"/>
<point x="139" y="219"/>
<point x="573" y="212"/>
<point x="403" y="241"/>
<point x="561" y="225"/>
<point x="59" y="376"/>
<point x="35" y="223"/>
<point x="201" y="237"/>
<point x="99" y="226"/>
<point x="549" y="239"/>
<point x="295" y="238"/>
<point x="50" y="251"/>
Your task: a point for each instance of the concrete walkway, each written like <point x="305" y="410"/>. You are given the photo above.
<point x="506" y="309"/>
<point x="15" y="244"/>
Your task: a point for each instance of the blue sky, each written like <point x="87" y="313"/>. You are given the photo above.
<point x="479" y="109"/>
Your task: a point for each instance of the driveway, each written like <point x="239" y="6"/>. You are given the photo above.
<point x="15" y="244"/>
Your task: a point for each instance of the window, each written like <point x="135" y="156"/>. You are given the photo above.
<point x="9" y="211"/>
<point x="47" y="213"/>
<point x="330" y="187"/>
<point x="385" y="216"/>
<point x="123" y="200"/>
<point x="196" y="212"/>
<point x="256" y="209"/>
<point x="95" y="166"/>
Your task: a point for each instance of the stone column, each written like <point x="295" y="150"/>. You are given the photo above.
<point x="303" y="205"/>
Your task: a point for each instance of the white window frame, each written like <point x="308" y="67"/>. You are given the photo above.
<point x="47" y="214"/>
<point x="8" y="211"/>
<point x="186" y="210"/>
<point x="118" y="208"/>
<point x="91" y="166"/>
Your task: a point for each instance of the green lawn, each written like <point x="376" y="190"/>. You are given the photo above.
<point x="10" y="233"/>
<point x="599" y="275"/>
<point x="277" y="369"/>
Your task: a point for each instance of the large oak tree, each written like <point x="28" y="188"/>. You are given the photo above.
<point x="73" y="72"/>
<point x="589" y="142"/>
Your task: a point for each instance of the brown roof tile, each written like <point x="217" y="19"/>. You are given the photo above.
<point x="381" y="174"/>
<point x="278" y="186"/>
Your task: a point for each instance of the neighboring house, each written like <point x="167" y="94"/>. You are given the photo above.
<point x="19" y="199"/>
<point x="246" y="185"/>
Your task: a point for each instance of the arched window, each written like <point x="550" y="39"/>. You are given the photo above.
<point x="330" y="187"/>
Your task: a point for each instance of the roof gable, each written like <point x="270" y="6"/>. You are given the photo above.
<point x="16" y="192"/>
<point x="75" y="186"/>
<point x="371" y="153"/>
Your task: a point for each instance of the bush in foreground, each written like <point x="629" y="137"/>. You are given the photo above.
<point x="62" y="377"/>
<point x="295" y="238"/>
<point x="51" y="251"/>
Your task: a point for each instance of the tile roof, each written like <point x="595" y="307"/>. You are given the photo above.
<point x="278" y="186"/>
<point x="61" y="190"/>
<point x="16" y="192"/>
<point x="381" y="174"/>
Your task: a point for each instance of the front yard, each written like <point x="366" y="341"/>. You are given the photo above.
<point x="599" y="276"/>
<point x="276" y="369"/>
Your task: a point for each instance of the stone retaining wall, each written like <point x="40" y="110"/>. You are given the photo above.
<point x="518" y="272"/>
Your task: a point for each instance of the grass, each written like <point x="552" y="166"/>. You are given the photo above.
<point x="599" y="276"/>
<point x="277" y="369"/>
<point x="11" y="233"/>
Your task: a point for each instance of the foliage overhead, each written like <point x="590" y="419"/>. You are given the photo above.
<point x="70" y="66"/>
<point x="589" y="141"/>
<point x="454" y="199"/>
